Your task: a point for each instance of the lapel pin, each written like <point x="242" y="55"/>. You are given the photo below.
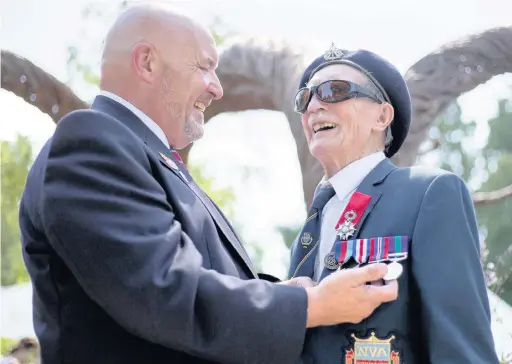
<point x="169" y="161"/>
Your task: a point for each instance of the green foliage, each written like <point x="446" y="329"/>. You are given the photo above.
<point x="289" y="234"/>
<point x="16" y="158"/>
<point x="6" y="345"/>
<point x="496" y="217"/>
<point x="451" y="134"/>
<point x="223" y="197"/>
<point x="500" y="137"/>
<point x="493" y="165"/>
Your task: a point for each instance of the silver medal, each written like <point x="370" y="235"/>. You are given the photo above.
<point x="394" y="271"/>
<point x="330" y="261"/>
<point x="347" y="228"/>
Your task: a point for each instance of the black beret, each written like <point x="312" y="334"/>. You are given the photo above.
<point x="386" y="78"/>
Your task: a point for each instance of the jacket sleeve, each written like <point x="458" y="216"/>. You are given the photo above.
<point x="110" y="221"/>
<point x="448" y="272"/>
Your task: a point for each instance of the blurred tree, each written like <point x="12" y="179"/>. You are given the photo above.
<point x="263" y="75"/>
<point x="289" y="234"/>
<point x="16" y="158"/>
<point x="451" y="142"/>
<point x="497" y="217"/>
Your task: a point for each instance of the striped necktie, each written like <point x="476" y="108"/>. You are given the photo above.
<point x="307" y="241"/>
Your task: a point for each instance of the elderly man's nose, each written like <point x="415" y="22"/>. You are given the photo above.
<point x="315" y="104"/>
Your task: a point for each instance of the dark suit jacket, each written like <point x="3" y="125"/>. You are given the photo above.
<point x="442" y="313"/>
<point x="132" y="263"/>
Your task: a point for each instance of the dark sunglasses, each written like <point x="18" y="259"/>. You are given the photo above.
<point x="332" y="91"/>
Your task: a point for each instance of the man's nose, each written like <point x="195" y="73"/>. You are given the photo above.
<point x="215" y="88"/>
<point x="315" y="104"/>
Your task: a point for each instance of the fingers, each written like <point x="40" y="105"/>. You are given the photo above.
<point x="368" y="273"/>
<point x="386" y="293"/>
<point x="303" y="281"/>
<point x="300" y="281"/>
<point x="379" y="283"/>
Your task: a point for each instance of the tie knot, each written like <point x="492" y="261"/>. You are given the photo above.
<point x="322" y="194"/>
<point x="177" y="156"/>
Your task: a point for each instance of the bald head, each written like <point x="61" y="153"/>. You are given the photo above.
<point x="163" y="63"/>
<point x="161" y="27"/>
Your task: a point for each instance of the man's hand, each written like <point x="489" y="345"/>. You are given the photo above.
<point x="299" y="281"/>
<point x="344" y="296"/>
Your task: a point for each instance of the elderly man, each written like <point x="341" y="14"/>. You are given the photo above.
<point x="356" y="112"/>
<point x="130" y="261"/>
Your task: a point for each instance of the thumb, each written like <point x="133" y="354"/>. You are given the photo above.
<point x="369" y="273"/>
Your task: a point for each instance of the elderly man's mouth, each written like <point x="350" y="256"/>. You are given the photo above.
<point x="323" y="127"/>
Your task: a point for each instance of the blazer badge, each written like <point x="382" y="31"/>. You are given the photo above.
<point x="169" y="161"/>
<point x="372" y="350"/>
<point x="306" y="239"/>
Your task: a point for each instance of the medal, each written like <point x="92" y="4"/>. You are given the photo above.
<point x="350" y="217"/>
<point x="330" y="261"/>
<point x="347" y="227"/>
<point x="395" y="270"/>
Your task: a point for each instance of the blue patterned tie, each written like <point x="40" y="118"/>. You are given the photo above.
<point x="302" y="262"/>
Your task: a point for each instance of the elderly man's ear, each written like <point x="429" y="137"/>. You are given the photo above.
<point x="385" y="118"/>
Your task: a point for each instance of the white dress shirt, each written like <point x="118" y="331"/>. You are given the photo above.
<point x="143" y="117"/>
<point x="345" y="183"/>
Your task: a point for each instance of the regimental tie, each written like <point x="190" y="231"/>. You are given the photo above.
<point x="309" y="237"/>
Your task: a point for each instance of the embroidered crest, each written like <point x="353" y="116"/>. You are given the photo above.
<point x="372" y="350"/>
<point x="306" y="239"/>
<point x="333" y="53"/>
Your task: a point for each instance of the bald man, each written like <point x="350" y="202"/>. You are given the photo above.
<point x="130" y="261"/>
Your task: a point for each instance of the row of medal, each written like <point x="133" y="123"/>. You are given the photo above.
<point x="368" y="251"/>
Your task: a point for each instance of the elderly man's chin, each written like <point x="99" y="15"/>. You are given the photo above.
<point x="322" y="145"/>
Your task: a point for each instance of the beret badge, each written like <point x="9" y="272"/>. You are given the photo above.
<point x="333" y="53"/>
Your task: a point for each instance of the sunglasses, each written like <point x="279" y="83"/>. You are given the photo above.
<point x="332" y="91"/>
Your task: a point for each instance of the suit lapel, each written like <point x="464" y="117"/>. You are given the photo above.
<point x="125" y="116"/>
<point x="368" y="187"/>
<point x="170" y="162"/>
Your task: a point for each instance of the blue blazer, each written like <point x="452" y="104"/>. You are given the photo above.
<point x="132" y="263"/>
<point x="442" y="313"/>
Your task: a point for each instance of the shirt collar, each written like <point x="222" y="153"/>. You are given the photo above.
<point x="349" y="178"/>
<point x="143" y="117"/>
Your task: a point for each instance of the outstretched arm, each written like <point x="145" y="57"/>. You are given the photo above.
<point x="110" y="221"/>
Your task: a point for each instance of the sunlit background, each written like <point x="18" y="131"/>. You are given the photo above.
<point x="250" y="153"/>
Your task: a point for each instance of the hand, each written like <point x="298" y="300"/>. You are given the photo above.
<point x="344" y="296"/>
<point x="299" y="281"/>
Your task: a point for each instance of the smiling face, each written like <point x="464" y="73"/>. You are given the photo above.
<point x="340" y="133"/>
<point x="170" y="72"/>
<point x="187" y="86"/>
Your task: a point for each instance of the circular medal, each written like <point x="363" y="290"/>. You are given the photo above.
<point x="394" y="271"/>
<point x="330" y="261"/>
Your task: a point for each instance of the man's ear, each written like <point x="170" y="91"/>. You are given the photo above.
<point x="387" y="113"/>
<point x="144" y="61"/>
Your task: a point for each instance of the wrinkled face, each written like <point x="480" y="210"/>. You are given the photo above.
<point x="345" y="128"/>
